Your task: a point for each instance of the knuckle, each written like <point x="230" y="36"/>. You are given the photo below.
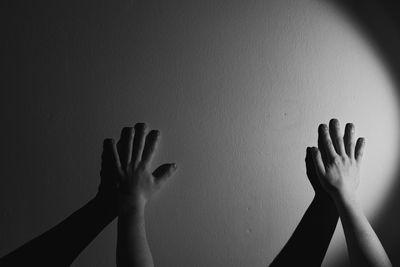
<point x="337" y="161"/>
<point x="329" y="143"/>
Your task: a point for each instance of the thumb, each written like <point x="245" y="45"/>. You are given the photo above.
<point x="318" y="163"/>
<point x="164" y="171"/>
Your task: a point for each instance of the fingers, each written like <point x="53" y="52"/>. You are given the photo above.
<point x="336" y="137"/>
<point x="150" y="147"/>
<point x="318" y="163"/>
<point x="138" y="143"/>
<point x="349" y="140"/>
<point x="326" y="143"/>
<point x="125" y="146"/>
<point x="164" y="171"/>
<point x="321" y="148"/>
<point x="115" y="158"/>
<point x="359" y="151"/>
<point x="110" y="157"/>
<point x="309" y="162"/>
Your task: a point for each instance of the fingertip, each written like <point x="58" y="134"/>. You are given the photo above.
<point x="322" y="128"/>
<point x="155" y="133"/>
<point x="350" y="126"/>
<point x="107" y="140"/>
<point x="140" y="126"/>
<point x="334" y="122"/>
<point x="126" y="131"/>
<point x="360" y="142"/>
<point x="315" y="152"/>
<point x="173" y="166"/>
<point x="309" y="152"/>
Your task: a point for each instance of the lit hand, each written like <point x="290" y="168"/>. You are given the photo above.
<point x="129" y="163"/>
<point x="338" y="159"/>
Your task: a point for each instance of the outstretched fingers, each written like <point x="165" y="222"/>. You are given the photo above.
<point x="336" y="136"/>
<point x="110" y="157"/>
<point x="150" y="147"/>
<point x="124" y="146"/>
<point x="359" y="151"/>
<point x="349" y="140"/>
<point x="326" y="143"/>
<point x="138" y="143"/>
<point x="318" y="163"/>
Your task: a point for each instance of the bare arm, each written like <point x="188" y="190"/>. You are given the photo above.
<point x="308" y="244"/>
<point x="60" y="245"/>
<point x="338" y="162"/>
<point x="132" y="158"/>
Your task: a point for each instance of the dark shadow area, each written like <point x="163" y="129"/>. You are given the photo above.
<point x="380" y="22"/>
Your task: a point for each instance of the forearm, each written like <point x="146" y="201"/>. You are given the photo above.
<point x="364" y="247"/>
<point x="315" y="229"/>
<point x="132" y="246"/>
<point x="60" y="245"/>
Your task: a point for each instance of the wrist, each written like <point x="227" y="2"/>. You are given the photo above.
<point x="130" y="205"/>
<point x="345" y="199"/>
<point x="106" y="203"/>
<point x="325" y="204"/>
<point x="323" y="197"/>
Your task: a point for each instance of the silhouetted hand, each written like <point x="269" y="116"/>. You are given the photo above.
<point x="337" y="161"/>
<point x="313" y="176"/>
<point x="109" y="177"/>
<point x="309" y="242"/>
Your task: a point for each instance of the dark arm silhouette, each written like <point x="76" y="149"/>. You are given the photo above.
<point x="308" y="244"/>
<point x="60" y="245"/>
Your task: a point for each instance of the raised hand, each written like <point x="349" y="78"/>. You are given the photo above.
<point x="338" y="159"/>
<point x="337" y="162"/>
<point x="131" y="164"/>
<point x="313" y="176"/>
<point x="127" y="166"/>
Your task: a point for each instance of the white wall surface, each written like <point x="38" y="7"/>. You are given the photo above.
<point x="237" y="89"/>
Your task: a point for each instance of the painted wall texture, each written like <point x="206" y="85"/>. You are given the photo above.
<point x="237" y="89"/>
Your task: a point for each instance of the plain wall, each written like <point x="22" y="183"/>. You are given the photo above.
<point x="237" y="89"/>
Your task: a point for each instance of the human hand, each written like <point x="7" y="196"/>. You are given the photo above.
<point x="109" y="177"/>
<point x="133" y="157"/>
<point x="337" y="159"/>
<point x="320" y="192"/>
